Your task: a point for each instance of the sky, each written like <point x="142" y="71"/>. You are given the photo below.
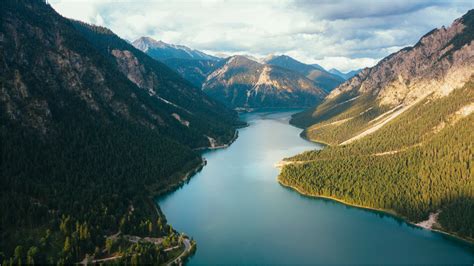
<point x="342" y="34"/>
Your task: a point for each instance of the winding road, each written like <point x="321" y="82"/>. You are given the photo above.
<point x="187" y="249"/>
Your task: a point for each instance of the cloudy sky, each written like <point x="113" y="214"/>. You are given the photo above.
<point x="345" y="34"/>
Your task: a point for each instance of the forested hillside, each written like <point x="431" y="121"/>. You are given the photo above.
<point x="91" y="129"/>
<point x="426" y="167"/>
<point x="400" y="134"/>
<point x="197" y="115"/>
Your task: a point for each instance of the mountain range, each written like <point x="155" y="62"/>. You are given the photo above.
<point x="201" y="69"/>
<point x="400" y="135"/>
<point x="243" y="83"/>
<point x="161" y="51"/>
<point x="93" y="128"/>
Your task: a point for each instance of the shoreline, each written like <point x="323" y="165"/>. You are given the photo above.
<point x="303" y="136"/>
<point x="182" y="179"/>
<point x="234" y="138"/>
<point x="385" y="211"/>
<point x="283" y="163"/>
<point x="151" y="201"/>
<point x="269" y="109"/>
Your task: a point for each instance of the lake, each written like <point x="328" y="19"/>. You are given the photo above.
<point x="239" y="214"/>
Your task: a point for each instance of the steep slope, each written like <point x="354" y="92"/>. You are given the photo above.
<point x="161" y="51"/>
<point x="192" y="65"/>
<point x="405" y="127"/>
<point x="345" y="76"/>
<point x="321" y="77"/>
<point x="241" y="82"/>
<point x="89" y="131"/>
<point x="440" y="62"/>
<point x="195" y="71"/>
<point x="205" y="116"/>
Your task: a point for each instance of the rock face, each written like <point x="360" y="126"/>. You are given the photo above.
<point x="161" y="51"/>
<point x="160" y="82"/>
<point x="316" y="73"/>
<point x="241" y="82"/>
<point x="74" y="61"/>
<point x="440" y="62"/>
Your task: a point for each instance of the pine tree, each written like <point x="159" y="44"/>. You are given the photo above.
<point x="67" y="245"/>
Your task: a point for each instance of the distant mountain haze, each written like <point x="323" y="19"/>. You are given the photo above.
<point x="346" y="75"/>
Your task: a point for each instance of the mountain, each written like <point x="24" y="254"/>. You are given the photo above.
<point x="190" y="104"/>
<point x="195" y="71"/>
<point x="192" y="65"/>
<point x="290" y="63"/>
<point x="318" y="67"/>
<point x="161" y="51"/>
<point x="433" y="66"/>
<point x="91" y="130"/>
<point x="345" y="76"/>
<point x="244" y="83"/>
<point x="321" y="77"/>
<point x="400" y="135"/>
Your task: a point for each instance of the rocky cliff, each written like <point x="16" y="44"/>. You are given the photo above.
<point x="440" y="62"/>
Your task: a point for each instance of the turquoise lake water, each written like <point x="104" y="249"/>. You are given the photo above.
<point x="239" y="214"/>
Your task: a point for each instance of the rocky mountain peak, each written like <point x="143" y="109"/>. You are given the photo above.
<point x="441" y="61"/>
<point x="145" y="43"/>
<point x="240" y="60"/>
<point x="162" y="51"/>
<point x="243" y="82"/>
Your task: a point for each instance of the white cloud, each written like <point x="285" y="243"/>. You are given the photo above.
<point x="346" y="64"/>
<point x="336" y="33"/>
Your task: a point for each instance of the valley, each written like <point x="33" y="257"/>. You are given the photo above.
<point x="237" y="204"/>
<point x="284" y="136"/>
